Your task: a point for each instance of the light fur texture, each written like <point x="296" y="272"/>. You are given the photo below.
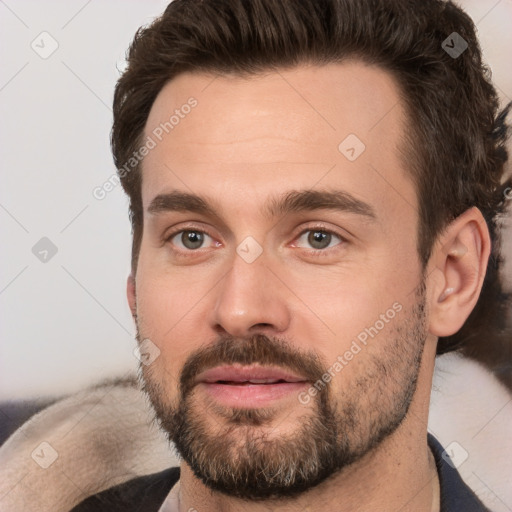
<point x="103" y="436"/>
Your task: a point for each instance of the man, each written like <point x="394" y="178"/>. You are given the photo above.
<point x="314" y="188"/>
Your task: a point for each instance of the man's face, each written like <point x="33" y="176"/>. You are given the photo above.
<point x="317" y="299"/>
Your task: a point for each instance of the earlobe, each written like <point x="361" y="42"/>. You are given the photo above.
<point x="460" y="258"/>
<point x="131" y="295"/>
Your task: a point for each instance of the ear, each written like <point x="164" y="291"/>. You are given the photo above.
<point x="131" y="295"/>
<point x="460" y="259"/>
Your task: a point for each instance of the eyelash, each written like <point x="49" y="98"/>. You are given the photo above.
<point x="316" y="252"/>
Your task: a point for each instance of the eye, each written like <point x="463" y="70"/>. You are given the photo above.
<point x="190" y="239"/>
<point x="319" y="239"/>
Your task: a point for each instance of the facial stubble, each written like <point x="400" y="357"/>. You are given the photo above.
<point x="242" y="452"/>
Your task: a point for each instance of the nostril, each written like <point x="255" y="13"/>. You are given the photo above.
<point x="265" y="326"/>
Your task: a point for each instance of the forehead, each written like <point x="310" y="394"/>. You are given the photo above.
<point x="335" y="126"/>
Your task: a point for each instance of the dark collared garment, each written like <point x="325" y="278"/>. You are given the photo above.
<point x="147" y="493"/>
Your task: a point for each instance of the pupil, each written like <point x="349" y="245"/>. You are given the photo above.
<point x="318" y="238"/>
<point x="192" y="239"/>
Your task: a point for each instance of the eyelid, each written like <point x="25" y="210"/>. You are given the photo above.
<point x="323" y="229"/>
<point x="170" y="234"/>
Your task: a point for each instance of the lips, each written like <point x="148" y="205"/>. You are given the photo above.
<point x="249" y="386"/>
<point x="238" y="375"/>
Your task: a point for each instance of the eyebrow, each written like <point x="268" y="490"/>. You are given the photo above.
<point x="292" y="201"/>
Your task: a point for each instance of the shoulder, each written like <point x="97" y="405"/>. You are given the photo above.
<point x="455" y="494"/>
<point x="144" y="494"/>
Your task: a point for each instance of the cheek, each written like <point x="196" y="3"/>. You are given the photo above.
<point x="159" y="313"/>
<point x="356" y="293"/>
<point x="166" y="296"/>
<point x="168" y="307"/>
<point x="359" y="302"/>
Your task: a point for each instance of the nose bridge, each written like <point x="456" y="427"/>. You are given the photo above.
<point x="249" y="296"/>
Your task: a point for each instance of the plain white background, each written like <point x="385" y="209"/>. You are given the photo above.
<point x="65" y="322"/>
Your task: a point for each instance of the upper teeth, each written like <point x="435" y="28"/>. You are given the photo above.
<point x="262" y="381"/>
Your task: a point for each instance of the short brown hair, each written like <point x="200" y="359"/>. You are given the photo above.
<point x="455" y="145"/>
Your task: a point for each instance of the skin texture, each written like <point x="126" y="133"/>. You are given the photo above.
<point x="249" y="139"/>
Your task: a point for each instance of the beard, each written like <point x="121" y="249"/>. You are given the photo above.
<point x="232" y="450"/>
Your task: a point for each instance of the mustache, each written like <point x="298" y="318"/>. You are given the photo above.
<point x="257" y="349"/>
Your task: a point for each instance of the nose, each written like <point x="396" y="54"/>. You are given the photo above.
<point x="250" y="298"/>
